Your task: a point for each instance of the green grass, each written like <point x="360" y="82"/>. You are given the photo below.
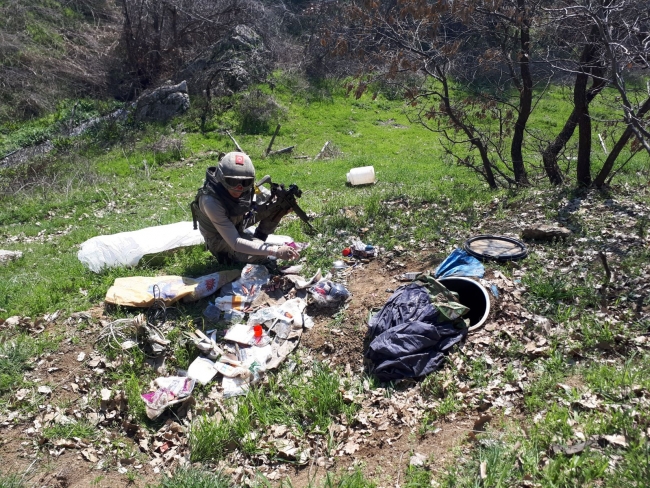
<point x="515" y="455"/>
<point x="133" y="390"/>
<point x="306" y="401"/>
<point x="11" y="481"/>
<point x="356" y="479"/>
<point x="191" y="477"/>
<point x="103" y="188"/>
<point x="616" y="382"/>
<point x="82" y="429"/>
<point x="115" y="192"/>
<point x="209" y="438"/>
<point x="17" y="352"/>
<point x="441" y="386"/>
<point x="551" y="293"/>
<point x="546" y="374"/>
<point x="417" y="477"/>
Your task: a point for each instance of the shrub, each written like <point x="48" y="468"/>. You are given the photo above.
<point x="257" y="112"/>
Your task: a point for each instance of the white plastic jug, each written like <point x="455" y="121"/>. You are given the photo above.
<point x="361" y="176"/>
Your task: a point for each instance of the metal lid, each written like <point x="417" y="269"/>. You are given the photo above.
<point x="498" y="248"/>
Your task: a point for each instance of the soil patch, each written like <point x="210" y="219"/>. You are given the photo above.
<point x="384" y="455"/>
<point x="340" y="338"/>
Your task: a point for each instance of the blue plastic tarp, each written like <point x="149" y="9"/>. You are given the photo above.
<point x="460" y="263"/>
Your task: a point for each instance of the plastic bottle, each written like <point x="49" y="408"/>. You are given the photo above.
<point x="361" y="176"/>
<point x="212" y="313"/>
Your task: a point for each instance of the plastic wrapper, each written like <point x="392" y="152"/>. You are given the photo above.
<point x="172" y="390"/>
<point x="269" y="316"/>
<point x="141" y="291"/>
<point x="202" y="370"/>
<point x="328" y="293"/>
<point x="233" y="316"/>
<point x="244" y="334"/>
<point x="295" y="309"/>
<point x="362" y="250"/>
<point x="240" y="333"/>
<point x="282" y="319"/>
<point x="212" y="313"/>
<point x="460" y="263"/>
<point x="231" y="371"/>
<point x="127" y="248"/>
<point x="254" y="359"/>
<point x="239" y="294"/>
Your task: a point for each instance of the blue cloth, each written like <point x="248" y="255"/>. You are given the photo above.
<point x="460" y="263"/>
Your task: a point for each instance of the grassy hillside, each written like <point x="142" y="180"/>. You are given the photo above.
<point x="122" y="179"/>
<point x="572" y="345"/>
<point x="143" y="183"/>
<point x="51" y="50"/>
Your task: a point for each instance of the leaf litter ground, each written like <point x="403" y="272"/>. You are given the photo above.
<point x="484" y="385"/>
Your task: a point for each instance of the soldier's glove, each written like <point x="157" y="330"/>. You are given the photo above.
<point x="286" y="252"/>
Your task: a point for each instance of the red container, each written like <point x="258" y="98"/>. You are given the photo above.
<point x="257" y="331"/>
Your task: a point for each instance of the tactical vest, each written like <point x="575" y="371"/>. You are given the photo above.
<point x="235" y="210"/>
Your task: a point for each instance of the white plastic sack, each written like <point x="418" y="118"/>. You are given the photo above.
<point x="127" y="248"/>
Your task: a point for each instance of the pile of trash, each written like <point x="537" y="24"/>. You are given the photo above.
<point x="359" y="250"/>
<point x="252" y="325"/>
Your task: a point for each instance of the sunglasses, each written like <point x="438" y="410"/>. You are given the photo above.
<point x="236" y="182"/>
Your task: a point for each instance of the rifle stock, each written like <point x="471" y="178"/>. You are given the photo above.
<point x="284" y="199"/>
<point x="287" y="196"/>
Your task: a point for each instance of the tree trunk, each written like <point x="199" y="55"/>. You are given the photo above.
<point x="487" y="165"/>
<point x="550" y="153"/>
<point x="583" y="174"/>
<point x="581" y="107"/>
<point x="525" y="101"/>
<point x="488" y="174"/>
<point x="618" y="147"/>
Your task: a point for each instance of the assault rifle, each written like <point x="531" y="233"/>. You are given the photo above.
<point x="280" y="200"/>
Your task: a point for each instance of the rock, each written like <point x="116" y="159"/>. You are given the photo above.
<point x="543" y="232"/>
<point x="25" y="154"/>
<point x="162" y="103"/>
<point x="229" y="65"/>
<point x="6" y="256"/>
<point x="417" y="459"/>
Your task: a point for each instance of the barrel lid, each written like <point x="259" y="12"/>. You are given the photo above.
<point x="498" y="248"/>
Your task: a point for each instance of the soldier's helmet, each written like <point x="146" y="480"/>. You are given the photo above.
<point x="236" y="172"/>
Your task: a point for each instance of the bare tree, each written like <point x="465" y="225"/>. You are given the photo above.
<point x="615" y="40"/>
<point x="472" y="55"/>
<point x="160" y="36"/>
<point x="582" y="59"/>
<point x="624" y="29"/>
